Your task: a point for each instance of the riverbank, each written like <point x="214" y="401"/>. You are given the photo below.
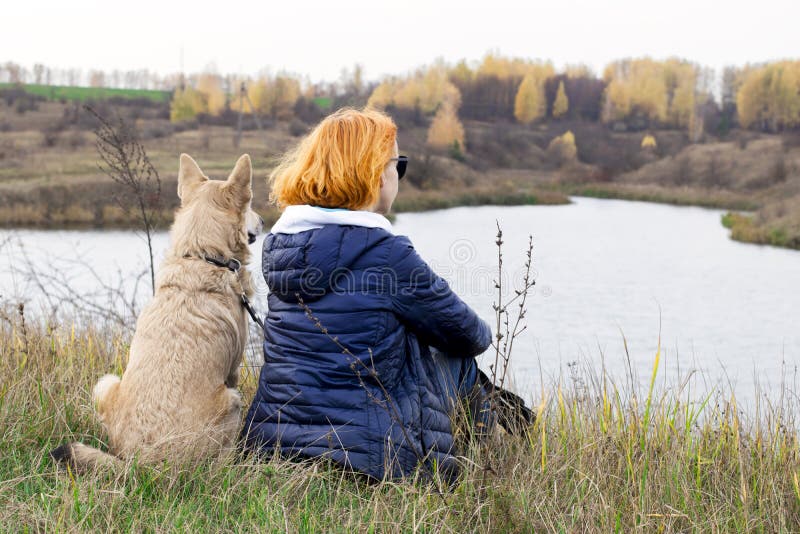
<point x="49" y="177"/>
<point x="61" y="186"/>
<point x="600" y="458"/>
<point x="760" y="226"/>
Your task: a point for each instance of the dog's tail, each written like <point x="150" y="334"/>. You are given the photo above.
<point x="83" y="458"/>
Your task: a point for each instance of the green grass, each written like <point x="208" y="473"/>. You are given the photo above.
<point x="81" y="94"/>
<point x="602" y="457"/>
<point x="324" y="102"/>
<point x="748" y="229"/>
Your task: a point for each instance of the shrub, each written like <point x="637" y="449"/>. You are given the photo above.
<point x="297" y="128"/>
<point x="562" y="149"/>
<point x="649" y="142"/>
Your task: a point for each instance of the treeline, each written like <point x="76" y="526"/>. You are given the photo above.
<point x="39" y="74"/>
<point x="631" y="95"/>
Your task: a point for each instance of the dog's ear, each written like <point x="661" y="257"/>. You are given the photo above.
<point x="240" y="181"/>
<point x="189" y="175"/>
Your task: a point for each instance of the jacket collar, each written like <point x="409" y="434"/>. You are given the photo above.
<point x="300" y="218"/>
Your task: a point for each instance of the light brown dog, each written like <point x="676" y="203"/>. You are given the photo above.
<point x="177" y="398"/>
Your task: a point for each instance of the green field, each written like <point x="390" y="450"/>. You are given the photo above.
<point x="81" y="94"/>
<point x="324" y="102"/>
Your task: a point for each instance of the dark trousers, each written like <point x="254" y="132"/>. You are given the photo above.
<point x="459" y="381"/>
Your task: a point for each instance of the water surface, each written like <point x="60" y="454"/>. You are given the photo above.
<point x="604" y="269"/>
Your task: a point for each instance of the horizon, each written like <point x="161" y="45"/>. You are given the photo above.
<point x="229" y="42"/>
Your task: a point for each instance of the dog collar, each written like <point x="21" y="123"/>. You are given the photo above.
<point x="232" y="264"/>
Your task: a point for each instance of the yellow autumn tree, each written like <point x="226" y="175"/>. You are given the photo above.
<point x="210" y="88"/>
<point x="665" y="91"/>
<point x="561" y="103"/>
<point x="427" y="90"/>
<point x="769" y="96"/>
<point x="563" y="148"/>
<point x="258" y="93"/>
<point x="285" y="95"/>
<point x="236" y="100"/>
<point x="635" y="86"/>
<point x="681" y="80"/>
<point x="383" y="95"/>
<point x="648" y="142"/>
<point x="461" y="74"/>
<point x="186" y="104"/>
<point x="529" y="103"/>
<point x="503" y="68"/>
<point x="446" y="130"/>
<point x="274" y="96"/>
<point x="578" y="70"/>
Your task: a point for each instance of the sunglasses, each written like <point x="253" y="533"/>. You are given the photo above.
<point x="402" y="163"/>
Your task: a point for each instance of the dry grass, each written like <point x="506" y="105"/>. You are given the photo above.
<point x="602" y="457"/>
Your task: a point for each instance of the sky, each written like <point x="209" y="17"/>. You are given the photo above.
<point x="320" y="38"/>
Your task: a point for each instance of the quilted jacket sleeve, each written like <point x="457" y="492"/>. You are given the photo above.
<point x="424" y="301"/>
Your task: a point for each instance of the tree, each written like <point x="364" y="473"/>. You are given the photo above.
<point x="446" y="130"/>
<point x="731" y="80"/>
<point x="96" y="78"/>
<point x="258" y="92"/>
<point x="274" y="96"/>
<point x="563" y="148"/>
<point x="561" y="103"/>
<point x="769" y="96"/>
<point x="383" y="95"/>
<point x="210" y="88"/>
<point x="425" y="90"/>
<point x="14" y="72"/>
<point x="38" y="73"/>
<point x="286" y="91"/>
<point x="529" y="103"/>
<point x="185" y="105"/>
<point x="649" y="142"/>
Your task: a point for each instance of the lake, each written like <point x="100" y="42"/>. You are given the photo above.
<point x="604" y="269"/>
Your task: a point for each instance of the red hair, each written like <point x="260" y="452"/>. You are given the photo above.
<point x="339" y="164"/>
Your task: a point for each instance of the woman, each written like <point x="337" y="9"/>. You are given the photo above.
<point x="349" y="371"/>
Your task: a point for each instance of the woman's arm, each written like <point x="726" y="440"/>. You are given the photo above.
<point x="425" y="302"/>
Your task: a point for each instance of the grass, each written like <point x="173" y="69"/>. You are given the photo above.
<point x="601" y="457"/>
<point x="749" y="229"/>
<point x="82" y="94"/>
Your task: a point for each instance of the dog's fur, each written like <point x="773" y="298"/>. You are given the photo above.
<point x="177" y="398"/>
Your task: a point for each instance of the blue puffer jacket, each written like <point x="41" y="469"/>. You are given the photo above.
<point x="381" y="409"/>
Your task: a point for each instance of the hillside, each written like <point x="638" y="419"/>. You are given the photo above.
<point x="49" y="175"/>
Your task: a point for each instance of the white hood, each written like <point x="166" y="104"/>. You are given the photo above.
<point x="300" y="218"/>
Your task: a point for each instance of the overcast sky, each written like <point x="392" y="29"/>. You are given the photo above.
<point x="319" y="38"/>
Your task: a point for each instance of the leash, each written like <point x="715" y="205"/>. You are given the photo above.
<point x="234" y="266"/>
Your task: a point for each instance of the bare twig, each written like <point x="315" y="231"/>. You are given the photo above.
<point x="509" y="407"/>
<point x="498" y="306"/>
<point x="126" y="162"/>
<point x="58" y="291"/>
<point x="505" y="332"/>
